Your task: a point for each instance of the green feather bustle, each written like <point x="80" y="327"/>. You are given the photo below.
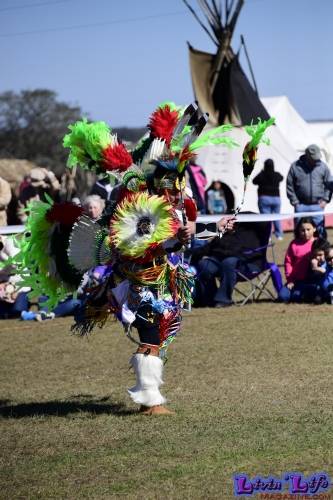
<point x="33" y="262"/>
<point x="214" y="137"/>
<point x="173" y="107"/>
<point x="86" y="142"/>
<point x="177" y="142"/>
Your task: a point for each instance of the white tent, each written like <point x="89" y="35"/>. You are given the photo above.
<point x="289" y="138"/>
<point x="295" y="129"/>
<point x="222" y="163"/>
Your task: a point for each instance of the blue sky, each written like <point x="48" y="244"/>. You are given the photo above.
<point x="137" y="56"/>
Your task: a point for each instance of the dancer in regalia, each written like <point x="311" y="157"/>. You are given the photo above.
<point x="137" y="245"/>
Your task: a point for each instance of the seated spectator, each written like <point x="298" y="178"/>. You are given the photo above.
<point x="102" y="188"/>
<point x="70" y="306"/>
<point x="216" y="202"/>
<point x="28" y="194"/>
<point x="297" y="261"/>
<point x="67" y="189"/>
<point x="327" y="282"/>
<point x="13" y="298"/>
<point x="93" y="206"/>
<point x="318" y="260"/>
<point x="5" y="197"/>
<point x="312" y="286"/>
<point x="42" y="182"/>
<point x="222" y="257"/>
<point x="26" y="181"/>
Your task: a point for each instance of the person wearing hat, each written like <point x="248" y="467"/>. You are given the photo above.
<point x="307" y="185"/>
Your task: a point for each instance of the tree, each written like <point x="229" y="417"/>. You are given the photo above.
<point x="32" y="126"/>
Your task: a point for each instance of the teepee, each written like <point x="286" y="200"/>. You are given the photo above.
<point x="223" y="90"/>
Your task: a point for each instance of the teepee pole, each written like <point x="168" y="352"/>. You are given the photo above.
<point x="225" y="44"/>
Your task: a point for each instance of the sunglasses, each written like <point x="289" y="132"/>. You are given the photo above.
<point x="205" y="230"/>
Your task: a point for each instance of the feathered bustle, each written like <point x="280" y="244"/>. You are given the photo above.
<point x="116" y="158"/>
<point x="65" y="213"/>
<point x="163" y="122"/>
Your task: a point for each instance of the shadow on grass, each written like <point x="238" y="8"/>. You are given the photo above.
<point x="63" y="408"/>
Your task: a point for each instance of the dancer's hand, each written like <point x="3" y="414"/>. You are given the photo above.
<point x="184" y="235"/>
<point x="290" y="285"/>
<point x="226" y="223"/>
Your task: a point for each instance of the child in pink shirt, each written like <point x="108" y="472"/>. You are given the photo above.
<point x="297" y="260"/>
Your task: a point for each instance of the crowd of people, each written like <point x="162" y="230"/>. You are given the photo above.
<point x="217" y="262"/>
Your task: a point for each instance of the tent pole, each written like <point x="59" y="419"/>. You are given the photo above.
<point x="225" y="44"/>
<point x="250" y="65"/>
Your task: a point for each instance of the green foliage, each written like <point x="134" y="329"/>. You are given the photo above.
<point x="32" y="125"/>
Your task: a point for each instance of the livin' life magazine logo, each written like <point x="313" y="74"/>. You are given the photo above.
<point x="293" y="485"/>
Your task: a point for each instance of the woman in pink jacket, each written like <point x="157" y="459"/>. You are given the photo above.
<point x="297" y="261"/>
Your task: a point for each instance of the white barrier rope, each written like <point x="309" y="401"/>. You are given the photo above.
<point x="206" y="219"/>
<point x="264" y="217"/>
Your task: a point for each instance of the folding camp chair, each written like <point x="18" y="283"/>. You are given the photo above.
<point x="265" y="272"/>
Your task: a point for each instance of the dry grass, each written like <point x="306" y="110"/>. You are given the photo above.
<point x="251" y="387"/>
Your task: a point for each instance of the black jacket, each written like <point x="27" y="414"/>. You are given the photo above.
<point x="247" y="237"/>
<point x="268" y="183"/>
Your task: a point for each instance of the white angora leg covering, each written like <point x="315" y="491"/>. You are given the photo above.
<point x="148" y="371"/>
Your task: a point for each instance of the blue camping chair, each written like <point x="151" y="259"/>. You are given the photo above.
<point x="258" y="282"/>
<point x="250" y="241"/>
<point x="266" y="272"/>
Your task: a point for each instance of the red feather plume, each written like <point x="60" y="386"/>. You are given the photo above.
<point x="116" y="158"/>
<point x="190" y="209"/>
<point x="186" y="155"/>
<point x="162" y="123"/>
<point x="65" y="213"/>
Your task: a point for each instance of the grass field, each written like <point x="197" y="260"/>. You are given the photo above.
<point x="251" y="387"/>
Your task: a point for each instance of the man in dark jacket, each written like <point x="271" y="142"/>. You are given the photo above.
<point x="243" y="250"/>
<point x="307" y="185"/>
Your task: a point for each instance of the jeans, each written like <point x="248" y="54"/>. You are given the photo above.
<point x="302" y="292"/>
<point x="65" y="308"/>
<point x="271" y="205"/>
<point x="318" y="220"/>
<point x="8" y="310"/>
<point x="226" y="269"/>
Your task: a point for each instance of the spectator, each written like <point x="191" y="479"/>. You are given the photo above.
<point x="25" y="183"/>
<point x="318" y="260"/>
<point x="327" y="283"/>
<point x="312" y="286"/>
<point x="297" y="261"/>
<point x="42" y="182"/>
<point x="216" y="202"/>
<point x="13" y="298"/>
<point x="67" y="189"/>
<point x="308" y="185"/>
<point x="222" y="257"/>
<point x="93" y="206"/>
<point x="45" y="182"/>
<point x="269" y="201"/>
<point x="102" y="188"/>
<point x="198" y="182"/>
<point x="28" y="194"/>
<point x="5" y="197"/>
